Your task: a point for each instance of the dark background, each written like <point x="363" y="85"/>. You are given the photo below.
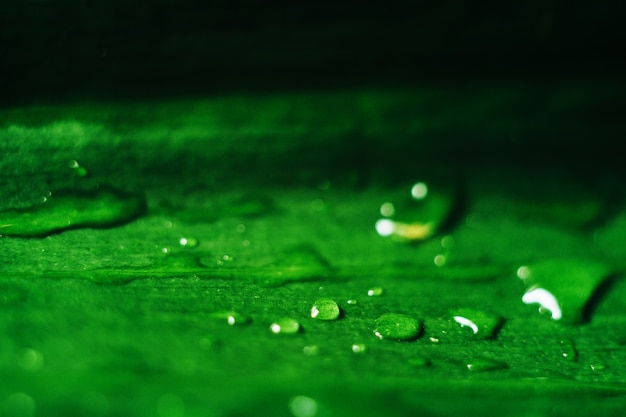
<point x="51" y="49"/>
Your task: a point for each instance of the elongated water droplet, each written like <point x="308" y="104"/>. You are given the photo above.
<point x="325" y="309"/>
<point x="285" y="326"/>
<point x="232" y="318"/>
<point x="483" y="365"/>
<point x="375" y="291"/>
<point x="104" y="207"/>
<point x="393" y="326"/>
<point x="563" y="287"/>
<point x="481" y="323"/>
<point x="359" y="348"/>
<point x="568" y="350"/>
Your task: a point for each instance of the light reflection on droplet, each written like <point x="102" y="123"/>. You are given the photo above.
<point x="385" y="227"/>
<point x="387" y="209"/>
<point x="440" y="260"/>
<point x="189" y="242"/>
<point x="352" y="302"/>
<point x="359" y="348"/>
<point x="419" y="190"/>
<point x="303" y="406"/>
<point x="464" y="322"/>
<point x="285" y="326"/>
<point x="375" y="291"/>
<point x="545" y="299"/>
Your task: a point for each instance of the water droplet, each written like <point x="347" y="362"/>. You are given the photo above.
<point x="231" y="317"/>
<point x="597" y="367"/>
<point x="325" y="309"/>
<point x="285" y="326"/>
<point x="440" y="260"/>
<point x="241" y="228"/>
<point x="359" y="348"/>
<point x="104" y="207"/>
<point x="419" y="190"/>
<point x="447" y="242"/>
<point x="19" y="404"/>
<point x="482" y="324"/>
<point x="375" y="291"/>
<point x="568" y="350"/>
<point x="483" y="365"/>
<point x="30" y="359"/>
<point x="170" y="405"/>
<point x="563" y="286"/>
<point x="352" y="302"/>
<point x="303" y="406"/>
<point x="387" y="209"/>
<point x="79" y="170"/>
<point x="393" y="326"/>
<point x="188" y="242"/>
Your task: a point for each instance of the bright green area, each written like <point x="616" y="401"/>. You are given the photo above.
<point x="259" y="207"/>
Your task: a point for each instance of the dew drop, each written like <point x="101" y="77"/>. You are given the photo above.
<point x="232" y="318"/>
<point x="419" y="190"/>
<point x="387" y="209"/>
<point x="104" y="207"/>
<point x="375" y="292"/>
<point x="325" y="309"/>
<point x="482" y="324"/>
<point x="563" y="287"/>
<point x="352" y="302"/>
<point x="568" y="350"/>
<point x="188" y="242"/>
<point x="393" y="326"/>
<point x="359" y="348"/>
<point x="285" y="326"/>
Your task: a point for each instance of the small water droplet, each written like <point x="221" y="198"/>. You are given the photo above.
<point x="387" y="209"/>
<point x="482" y="324"/>
<point x="375" y="291"/>
<point x="568" y="350"/>
<point x="325" y="309"/>
<point x="393" y="326"/>
<point x="597" y="367"/>
<point x="419" y="190"/>
<point x="447" y="242"/>
<point x="79" y="170"/>
<point x="233" y="318"/>
<point x="440" y="260"/>
<point x="285" y="326"/>
<point x="188" y="242"/>
<point x="359" y="348"/>
<point x="352" y="301"/>
<point x="303" y="406"/>
<point x="484" y="365"/>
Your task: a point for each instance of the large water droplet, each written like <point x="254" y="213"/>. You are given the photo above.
<point x="325" y="309"/>
<point x="393" y="326"/>
<point x="285" y="326"/>
<point x="481" y="323"/>
<point x="104" y="207"/>
<point x="563" y="287"/>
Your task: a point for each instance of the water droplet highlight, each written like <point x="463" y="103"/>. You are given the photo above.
<point x="231" y="317"/>
<point x="563" y="287"/>
<point x="375" y="292"/>
<point x="285" y="326"/>
<point x="188" y="242"/>
<point x="359" y="348"/>
<point x="482" y="324"/>
<point x="484" y="365"/>
<point x="393" y="326"/>
<point x="325" y="309"/>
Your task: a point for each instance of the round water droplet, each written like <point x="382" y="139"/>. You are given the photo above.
<point x="285" y="326"/>
<point x="303" y="406"/>
<point x="482" y="324"/>
<point x="232" y="318"/>
<point x="375" y="291"/>
<point x="359" y="348"/>
<point x="325" y="309"/>
<point x="352" y="302"/>
<point x="419" y="190"/>
<point x="440" y="260"/>
<point x="387" y="209"/>
<point x="447" y="242"/>
<point x="393" y="326"/>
